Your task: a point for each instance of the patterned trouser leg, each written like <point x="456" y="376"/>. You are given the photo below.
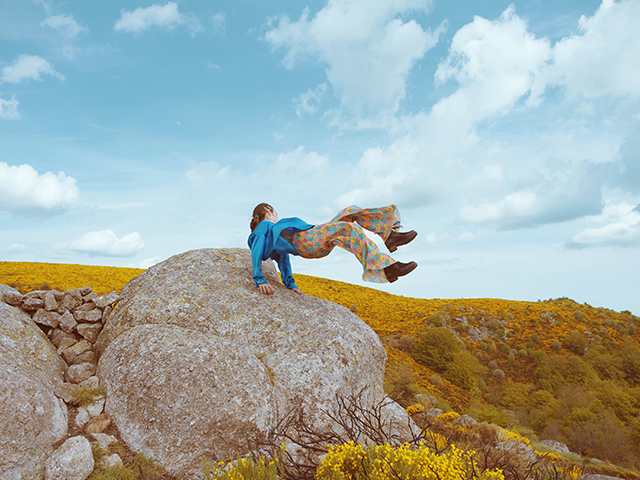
<point x="345" y="230"/>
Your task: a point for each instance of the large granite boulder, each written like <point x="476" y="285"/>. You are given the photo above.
<point x="32" y="419"/>
<point x="198" y="363"/>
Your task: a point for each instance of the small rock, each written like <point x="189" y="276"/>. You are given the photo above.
<point x="72" y="352"/>
<point x="465" y="420"/>
<point x="79" y="373"/>
<point x="85" y="307"/>
<point x="65" y="391"/>
<point x="557" y="446"/>
<point x="104" y="439"/>
<point x="50" y="303"/>
<point x="90" y="331"/>
<point x="50" y="319"/>
<point x="77" y="296"/>
<point x="85" y="290"/>
<point x="91" y="382"/>
<point x="113" y="460"/>
<point x="67" y="322"/>
<point x="11" y="296"/>
<point x="98" y="424"/>
<point x="89" y="356"/>
<point x="90" y="297"/>
<point x="433" y="412"/>
<point x="105" y="300"/>
<point x="426" y="400"/>
<point x="66" y="343"/>
<point x="96" y="407"/>
<point x="32" y="303"/>
<point x="91" y="316"/>
<point x="58" y="334"/>
<point x="69" y="303"/>
<point x="105" y="313"/>
<point x="73" y="460"/>
<point x="58" y="294"/>
<point x="82" y="417"/>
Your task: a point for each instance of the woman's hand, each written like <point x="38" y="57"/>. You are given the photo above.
<point x="298" y="291"/>
<point x="265" y="288"/>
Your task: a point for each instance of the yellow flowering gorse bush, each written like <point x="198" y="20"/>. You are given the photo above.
<point x="352" y="461"/>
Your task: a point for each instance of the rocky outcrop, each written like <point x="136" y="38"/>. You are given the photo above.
<point x="45" y="353"/>
<point x="197" y="362"/>
<point x="32" y="418"/>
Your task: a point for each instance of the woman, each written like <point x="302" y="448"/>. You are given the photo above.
<point x="276" y="239"/>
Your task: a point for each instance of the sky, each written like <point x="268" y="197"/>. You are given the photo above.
<point x="507" y="133"/>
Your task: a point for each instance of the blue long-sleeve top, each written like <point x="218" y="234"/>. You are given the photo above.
<point x="265" y="242"/>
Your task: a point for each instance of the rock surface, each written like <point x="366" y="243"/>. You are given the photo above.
<point x="32" y="418"/>
<point x="197" y="362"/>
<point x="73" y="460"/>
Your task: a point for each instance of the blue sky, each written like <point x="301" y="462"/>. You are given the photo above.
<point x="507" y="133"/>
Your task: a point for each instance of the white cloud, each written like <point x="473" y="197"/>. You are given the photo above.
<point x="205" y="172"/>
<point x="219" y="23"/>
<point x="13" y="249"/>
<point x="65" y="24"/>
<point x="28" y="67"/>
<point x="310" y="101"/>
<point x="105" y="243"/>
<point x="496" y="63"/>
<point x="299" y="161"/>
<point x="22" y="189"/>
<point x="603" y="59"/>
<point x="164" y="16"/>
<point x="554" y="198"/>
<point x="369" y="51"/>
<point x="622" y="229"/>
<point x="9" y="109"/>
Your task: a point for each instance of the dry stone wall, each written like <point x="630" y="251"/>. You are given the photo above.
<point x="46" y="352"/>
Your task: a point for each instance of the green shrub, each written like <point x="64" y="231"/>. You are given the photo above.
<point x="436" y="380"/>
<point x="353" y="308"/>
<point x="579" y="316"/>
<point x="119" y="472"/>
<point x="435" y="320"/>
<point x="576" y="343"/>
<point x="556" y="345"/>
<point x="499" y="374"/>
<point x="464" y="370"/>
<point x="437" y="348"/>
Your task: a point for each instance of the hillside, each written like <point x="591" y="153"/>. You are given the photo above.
<point x="551" y="369"/>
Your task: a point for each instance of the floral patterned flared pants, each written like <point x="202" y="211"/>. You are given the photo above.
<point x="345" y="230"/>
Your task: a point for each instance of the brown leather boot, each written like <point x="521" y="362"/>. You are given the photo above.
<point x="399" y="269"/>
<point x="397" y="239"/>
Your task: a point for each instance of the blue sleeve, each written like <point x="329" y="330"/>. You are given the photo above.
<point x="284" y="265"/>
<point x="257" y="246"/>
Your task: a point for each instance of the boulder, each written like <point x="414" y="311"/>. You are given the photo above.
<point x="73" y="460"/>
<point x="32" y="418"/>
<point x="198" y="363"/>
